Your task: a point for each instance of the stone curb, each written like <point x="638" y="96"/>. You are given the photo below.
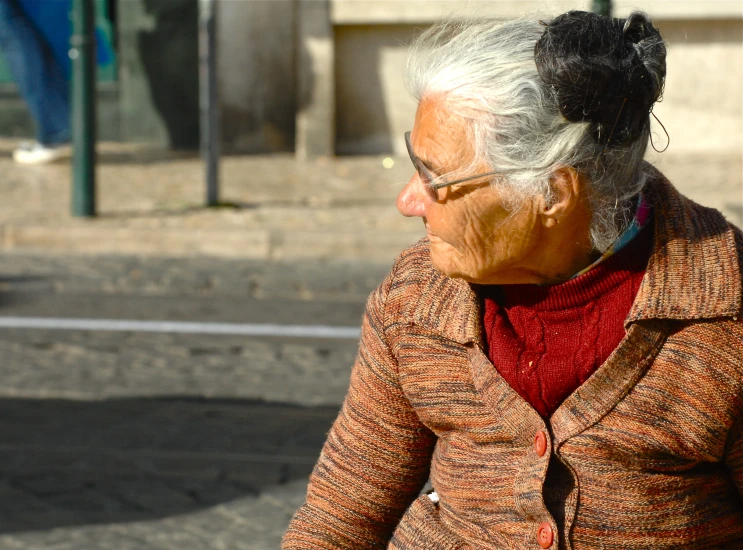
<point x="254" y="244"/>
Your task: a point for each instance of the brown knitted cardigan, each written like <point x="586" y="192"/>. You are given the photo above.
<point x="647" y="453"/>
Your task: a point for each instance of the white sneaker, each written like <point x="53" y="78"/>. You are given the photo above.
<point x="33" y="152"/>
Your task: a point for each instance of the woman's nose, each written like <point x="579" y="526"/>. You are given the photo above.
<point x="411" y="200"/>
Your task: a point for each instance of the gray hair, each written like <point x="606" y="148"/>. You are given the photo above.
<point x="487" y="74"/>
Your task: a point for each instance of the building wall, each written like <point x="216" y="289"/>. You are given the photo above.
<point x="702" y="107"/>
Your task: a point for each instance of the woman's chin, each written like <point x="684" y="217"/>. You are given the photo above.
<point x="448" y="262"/>
<point x="444" y="260"/>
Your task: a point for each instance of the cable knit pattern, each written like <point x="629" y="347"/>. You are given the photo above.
<point x="646" y="453"/>
<point x="546" y="340"/>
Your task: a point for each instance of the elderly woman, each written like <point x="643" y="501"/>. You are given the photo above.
<point x="563" y="354"/>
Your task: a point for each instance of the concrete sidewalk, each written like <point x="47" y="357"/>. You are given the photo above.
<point x="276" y="208"/>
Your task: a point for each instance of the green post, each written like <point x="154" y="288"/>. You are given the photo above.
<point x="82" y="54"/>
<point x="602" y="7"/>
<point x="209" y="98"/>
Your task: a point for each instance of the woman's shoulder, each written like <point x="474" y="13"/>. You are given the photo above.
<point x="413" y="262"/>
<point x="415" y="292"/>
<point x="410" y="271"/>
<point x="408" y="280"/>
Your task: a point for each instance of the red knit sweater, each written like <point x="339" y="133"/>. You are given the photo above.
<point x="546" y="340"/>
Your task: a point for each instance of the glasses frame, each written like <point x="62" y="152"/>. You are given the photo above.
<point x="432" y="189"/>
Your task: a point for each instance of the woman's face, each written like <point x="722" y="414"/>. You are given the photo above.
<point x="472" y="235"/>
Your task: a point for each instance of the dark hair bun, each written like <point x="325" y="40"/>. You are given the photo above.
<point x="602" y="70"/>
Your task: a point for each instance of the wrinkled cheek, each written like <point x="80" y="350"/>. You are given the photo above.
<point x="474" y="251"/>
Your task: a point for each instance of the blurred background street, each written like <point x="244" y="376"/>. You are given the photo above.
<point x="196" y="424"/>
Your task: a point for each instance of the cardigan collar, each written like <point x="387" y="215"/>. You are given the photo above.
<point x="693" y="273"/>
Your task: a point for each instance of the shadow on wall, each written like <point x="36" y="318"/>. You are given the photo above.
<point x="255" y="56"/>
<point x="170" y="56"/>
<point x="71" y="463"/>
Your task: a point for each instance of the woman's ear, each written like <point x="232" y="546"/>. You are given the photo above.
<point x="566" y="192"/>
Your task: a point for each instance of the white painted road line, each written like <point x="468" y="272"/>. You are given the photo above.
<point x="152" y="454"/>
<point x="181" y="327"/>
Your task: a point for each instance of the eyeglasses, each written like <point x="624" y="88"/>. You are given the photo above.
<point x="427" y="178"/>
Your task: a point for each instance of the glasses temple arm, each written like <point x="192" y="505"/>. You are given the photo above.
<point x="470" y="178"/>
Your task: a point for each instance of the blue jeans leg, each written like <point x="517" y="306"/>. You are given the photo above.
<point x="39" y="77"/>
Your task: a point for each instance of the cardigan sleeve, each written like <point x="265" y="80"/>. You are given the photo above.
<point x="376" y="457"/>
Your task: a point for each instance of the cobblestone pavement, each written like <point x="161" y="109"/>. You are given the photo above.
<point x="162" y="441"/>
<point x="159" y="473"/>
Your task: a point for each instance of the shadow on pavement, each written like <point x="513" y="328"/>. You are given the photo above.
<point x="68" y="463"/>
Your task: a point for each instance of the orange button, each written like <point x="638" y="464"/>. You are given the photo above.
<point x="540" y="443"/>
<point x="544" y="535"/>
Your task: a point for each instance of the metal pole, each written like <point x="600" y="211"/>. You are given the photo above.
<point x="602" y="7"/>
<point x="209" y="98"/>
<point x="82" y="54"/>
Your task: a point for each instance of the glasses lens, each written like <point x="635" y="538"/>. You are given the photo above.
<point x="423" y="174"/>
<point x="426" y="179"/>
